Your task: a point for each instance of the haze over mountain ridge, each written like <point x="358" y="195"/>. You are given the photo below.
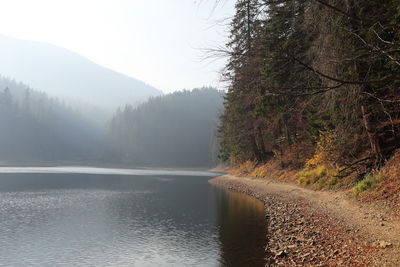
<point x="66" y="74"/>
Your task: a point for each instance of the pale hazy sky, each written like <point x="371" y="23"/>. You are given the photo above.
<point x="156" y="41"/>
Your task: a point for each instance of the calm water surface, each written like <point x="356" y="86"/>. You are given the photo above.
<point x="113" y="217"/>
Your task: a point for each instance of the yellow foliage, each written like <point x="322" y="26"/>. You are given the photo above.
<point x="324" y="144"/>
<point x="320" y="177"/>
<point x="316" y="173"/>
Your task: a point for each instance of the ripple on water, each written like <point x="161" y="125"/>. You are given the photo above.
<point x="116" y="221"/>
<point x="70" y="227"/>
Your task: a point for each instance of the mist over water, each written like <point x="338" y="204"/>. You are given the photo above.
<point x="103" y="171"/>
<point x="97" y="217"/>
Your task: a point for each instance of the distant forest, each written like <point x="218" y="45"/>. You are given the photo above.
<point x="37" y="128"/>
<point x="179" y="129"/>
<point x="175" y="130"/>
<point x="312" y="83"/>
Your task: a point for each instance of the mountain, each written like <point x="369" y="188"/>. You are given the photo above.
<point x="62" y="73"/>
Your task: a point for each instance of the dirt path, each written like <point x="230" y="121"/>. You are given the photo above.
<point x="347" y="227"/>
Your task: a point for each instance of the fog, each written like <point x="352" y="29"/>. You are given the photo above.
<point x="156" y="41"/>
<point x="179" y="129"/>
<point x="58" y="107"/>
<point x="69" y="76"/>
<point x="173" y="130"/>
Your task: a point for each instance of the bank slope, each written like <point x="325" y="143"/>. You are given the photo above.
<point x="309" y="228"/>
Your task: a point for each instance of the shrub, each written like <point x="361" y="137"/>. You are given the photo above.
<point x="244" y="168"/>
<point x="370" y="181"/>
<point x="324" y="147"/>
<point x="320" y="177"/>
<point x="260" y="171"/>
<point x="272" y="169"/>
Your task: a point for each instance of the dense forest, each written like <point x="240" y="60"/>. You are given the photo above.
<point x="36" y="128"/>
<point x="174" y="130"/>
<point x="178" y="129"/>
<point x="313" y="83"/>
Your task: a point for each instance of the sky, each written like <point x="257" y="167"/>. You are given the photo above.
<point x="160" y="42"/>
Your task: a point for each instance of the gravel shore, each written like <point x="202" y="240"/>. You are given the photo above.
<point x="301" y="233"/>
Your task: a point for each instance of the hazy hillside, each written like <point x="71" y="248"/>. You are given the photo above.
<point x="174" y="130"/>
<point x="35" y="128"/>
<point x="62" y="73"/>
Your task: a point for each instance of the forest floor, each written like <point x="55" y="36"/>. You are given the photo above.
<point x="321" y="228"/>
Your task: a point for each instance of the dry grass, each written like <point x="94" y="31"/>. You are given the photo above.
<point x="272" y="170"/>
<point x="243" y="169"/>
<point x="388" y="188"/>
<point x="369" y="182"/>
<point x="284" y="166"/>
<point x="382" y="185"/>
<point x="319" y="178"/>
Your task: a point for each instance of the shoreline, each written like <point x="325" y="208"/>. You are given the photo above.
<point x="105" y="166"/>
<point x="314" y="228"/>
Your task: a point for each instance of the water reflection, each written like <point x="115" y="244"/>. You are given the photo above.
<point x="242" y="229"/>
<point x="119" y="220"/>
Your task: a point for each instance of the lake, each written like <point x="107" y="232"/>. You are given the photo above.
<point x="81" y="216"/>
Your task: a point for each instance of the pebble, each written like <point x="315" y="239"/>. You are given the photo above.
<point x="300" y="235"/>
